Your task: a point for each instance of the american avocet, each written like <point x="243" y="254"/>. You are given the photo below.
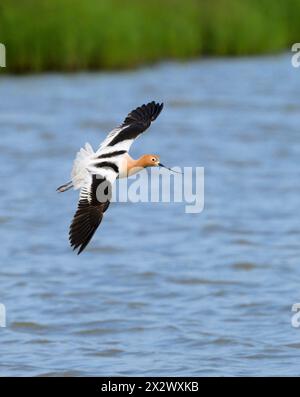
<point x="100" y="169"/>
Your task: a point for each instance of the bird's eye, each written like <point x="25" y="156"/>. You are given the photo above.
<point x="153" y="159"/>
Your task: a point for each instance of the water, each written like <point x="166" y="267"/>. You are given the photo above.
<point x="158" y="292"/>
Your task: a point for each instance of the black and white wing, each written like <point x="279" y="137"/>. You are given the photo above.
<point x="94" y="199"/>
<point x="137" y="121"/>
<point x="95" y="172"/>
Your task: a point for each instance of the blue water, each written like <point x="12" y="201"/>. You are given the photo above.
<point x="158" y="291"/>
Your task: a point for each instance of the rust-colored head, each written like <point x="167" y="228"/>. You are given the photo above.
<point x="149" y="160"/>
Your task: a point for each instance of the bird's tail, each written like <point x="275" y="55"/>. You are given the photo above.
<point x="80" y="166"/>
<point x="65" y="187"/>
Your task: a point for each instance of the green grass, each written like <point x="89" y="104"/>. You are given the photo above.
<point x="110" y="34"/>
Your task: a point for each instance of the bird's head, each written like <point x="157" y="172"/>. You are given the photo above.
<point x="150" y="160"/>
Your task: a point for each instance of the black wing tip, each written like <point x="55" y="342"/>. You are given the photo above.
<point x="80" y="232"/>
<point x="158" y="109"/>
<point x="75" y="246"/>
<point x="154" y="103"/>
<point x="145" y="113"/>
<point x="81" y="246"/>
<point x="154" y="109"/>
<point x="81" y="249"/>
<point x="80" y="241"/>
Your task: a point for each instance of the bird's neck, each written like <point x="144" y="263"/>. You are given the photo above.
<point x="131" y="166"/>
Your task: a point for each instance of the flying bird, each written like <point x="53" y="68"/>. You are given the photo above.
<point x="95" y="172"/>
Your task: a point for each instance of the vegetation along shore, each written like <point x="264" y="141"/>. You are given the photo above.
<point x="68" y="35"/>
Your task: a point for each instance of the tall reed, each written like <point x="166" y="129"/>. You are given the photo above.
<point x="94" y="34"/>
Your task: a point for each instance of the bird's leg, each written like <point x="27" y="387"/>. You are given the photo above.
<point x="65" y="187"/>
